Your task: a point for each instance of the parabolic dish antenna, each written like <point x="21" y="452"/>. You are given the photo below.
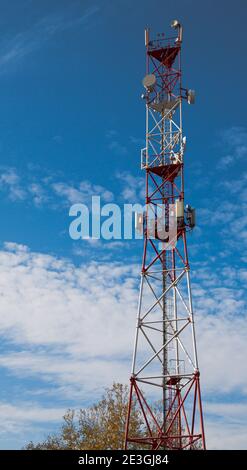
<point x="149" y="82"/>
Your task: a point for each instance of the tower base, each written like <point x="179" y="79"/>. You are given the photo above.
<point x="183" y="427"/>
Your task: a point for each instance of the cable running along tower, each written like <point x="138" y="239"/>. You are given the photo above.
<point x="165" y="365"/>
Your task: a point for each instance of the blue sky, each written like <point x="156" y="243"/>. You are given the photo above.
<point x="72" y="125"/>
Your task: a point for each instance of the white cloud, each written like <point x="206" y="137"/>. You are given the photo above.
<point x="72" y="327"/>
<point x="43" y="190"/>
<point x="38" y="193"/>
<point x="82" y="193"/>
<point x="223" y="435"/>
<point x="226" y="425"/>
<point x="133" y="188"/>
<point x="21" y="421"/>
<point x="12" y="246"/>
<point x="81" y="298"/>
<point x="21" y="413"/>
<point x="10" y="182"/>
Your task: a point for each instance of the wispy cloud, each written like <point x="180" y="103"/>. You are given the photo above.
<point x="115" y="144"/>
<point x="234" y="141"/>
<point x="226" y="212"/>
<point x="38" y="193"/>
<point x="10" y="181"/>
<point x="133" y="188"/>
<point x="137" y="141"/>
<point x="81" y="193"/>
<point x="226" y="425"/>
<point x="41" y="190"/>
<point x="23" y="43"/>
<point x="30" y="417"/>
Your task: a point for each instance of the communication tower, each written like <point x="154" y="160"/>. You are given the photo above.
<point x="165" y="378"/>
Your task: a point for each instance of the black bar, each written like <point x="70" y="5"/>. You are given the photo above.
<point x="109" y="459"/>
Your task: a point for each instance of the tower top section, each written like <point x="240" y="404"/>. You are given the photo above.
<point x="164" y="94"/>
<point x="162" y="48"/>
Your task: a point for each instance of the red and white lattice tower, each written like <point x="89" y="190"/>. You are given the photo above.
<point x="165" y="378"/>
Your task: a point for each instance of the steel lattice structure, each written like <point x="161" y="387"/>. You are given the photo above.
<point x="165" y="353"/>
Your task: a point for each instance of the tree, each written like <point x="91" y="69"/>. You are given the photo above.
<point x="102" y="426"/>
